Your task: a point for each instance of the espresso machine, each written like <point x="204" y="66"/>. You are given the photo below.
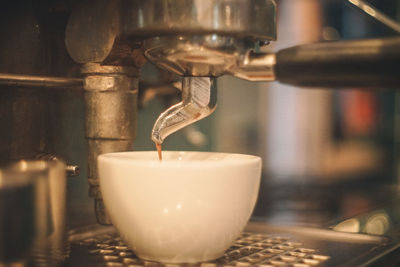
<point x="69" y="78"/>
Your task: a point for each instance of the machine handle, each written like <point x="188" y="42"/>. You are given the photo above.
<point x="362" y="63"/>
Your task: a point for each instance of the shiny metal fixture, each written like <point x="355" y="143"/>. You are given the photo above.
<point x="71" y="170"/>
<point x="204" y="55"/>
<point x="199" y="99"/>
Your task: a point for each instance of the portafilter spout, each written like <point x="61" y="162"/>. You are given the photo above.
<point x="199" y="99"/>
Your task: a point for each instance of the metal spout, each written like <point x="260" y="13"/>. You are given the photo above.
<point x="199" y="99"/>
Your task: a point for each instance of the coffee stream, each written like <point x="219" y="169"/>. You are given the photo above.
<point x="159" y="150"/>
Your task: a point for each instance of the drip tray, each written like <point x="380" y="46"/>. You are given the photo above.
<point x="260" y="245"/>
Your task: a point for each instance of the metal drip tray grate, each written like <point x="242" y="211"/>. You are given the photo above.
<point x="260" y="245"/>
<point x="249" y="250"/>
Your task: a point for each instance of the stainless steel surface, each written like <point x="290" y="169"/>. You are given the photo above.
<point x="17" y="217"/>
<point x="251" y="19"/>
<point x="199" y="99"/>
<point x="376" y="14"/>
<point x="39" y="81"/>
<point x="111" y="113"/>
<point x="50" y="245"/>
<point x="260" y="245"/>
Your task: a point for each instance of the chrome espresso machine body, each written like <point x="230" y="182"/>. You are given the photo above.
<point x="70" y="75"/>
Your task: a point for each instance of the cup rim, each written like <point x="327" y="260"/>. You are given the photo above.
<point x="222" y="158"/>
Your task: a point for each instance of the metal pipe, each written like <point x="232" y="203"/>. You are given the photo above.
<point x="376" y="14"/>
<point x="39" y="81"/>
<point x="73" y="170"/>
<point x="111" y="112"/>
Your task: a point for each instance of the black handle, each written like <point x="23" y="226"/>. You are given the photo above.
<point x="364" y="63"/>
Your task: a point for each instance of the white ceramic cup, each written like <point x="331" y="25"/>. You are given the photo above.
<point x="189" y="207"/>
